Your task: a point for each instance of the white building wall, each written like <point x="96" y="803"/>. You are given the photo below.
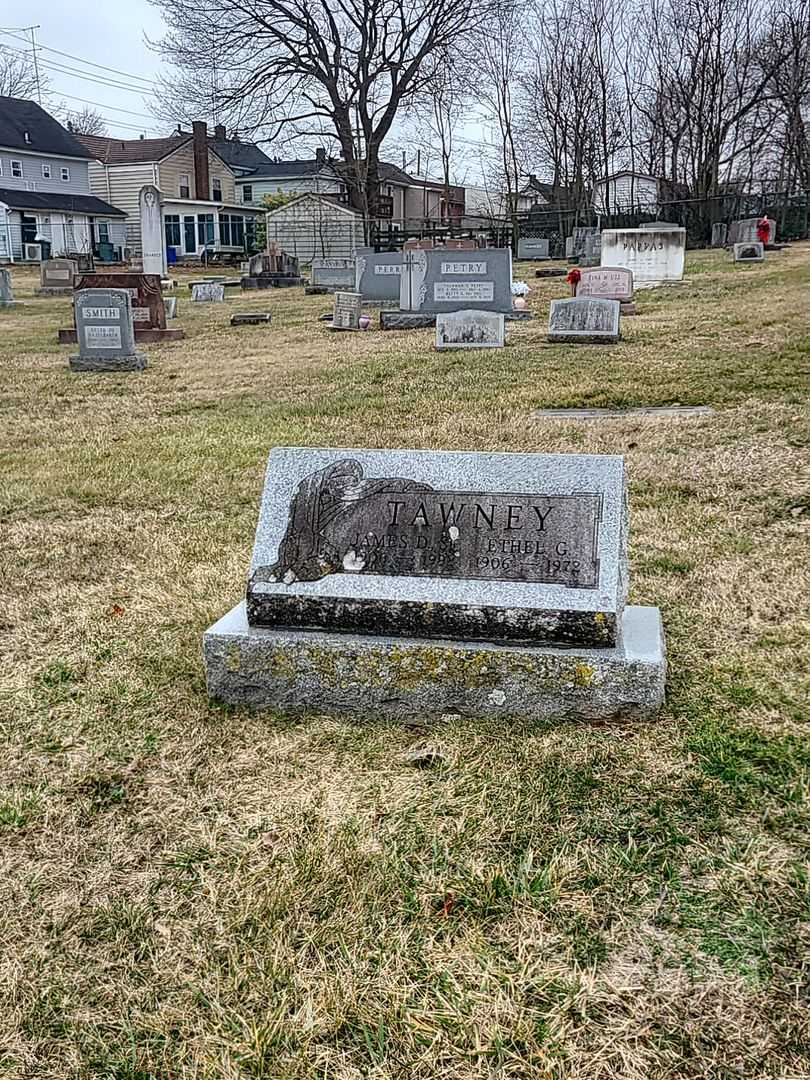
<point x="626" y="191"/>
<point x="314" y="227"/>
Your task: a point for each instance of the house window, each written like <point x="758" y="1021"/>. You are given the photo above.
<point x="46" y="172"/>
<point x="65" y="172"/>
<point x="103" y="232"/>
<point x="225" y="229"/>
<point x="237" y="230"/>
<point x="16" y="168"/>
<point x="247" y="193"/>
<point x="205" y="229"/>
<point x="216" y="189"/>
<point x="172" y="230"/>
<point x="185" y="186"/>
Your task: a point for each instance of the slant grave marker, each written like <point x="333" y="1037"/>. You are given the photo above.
<point x="608" y="283"/>
<point x="586" y="321"/>
<point x="469" y="330"/>
<point x="419" y="583"/>
<point x="148" y="305"/>
<point x="105" y="332"/>
<point x="348" y="309"/>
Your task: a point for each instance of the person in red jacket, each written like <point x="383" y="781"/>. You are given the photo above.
<point x="764" y="229"/>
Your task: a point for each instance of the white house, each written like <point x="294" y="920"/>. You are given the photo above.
<point x="46" y="205"/>
<point x="316" y="226"/>
<point x="626" y="190"/>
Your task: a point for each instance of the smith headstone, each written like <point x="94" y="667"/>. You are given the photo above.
<point x="469" y="330"/>
<point x="377" y="275"/>
<point x="105" y="332"/>
<point x="585" y="320"/>
<point x="654" y="256"/>
<point x="420" y="583"/>
<point x="533" y="247"/>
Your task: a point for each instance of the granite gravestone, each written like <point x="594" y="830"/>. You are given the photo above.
<point x="469" y="330"/>
<point x="415" y="244"/>
<point x="348" y="308"/>
<point x="441" y="280"/>
<point x="532" y="247"/>
<point x="745" y="231"/>
<point x="750" y="251"/>
<point x="333" y="273"/>
<point x="654" y="257"/>
<point x="6" y="290"/>
<point x="148" y="305"/>
<point x="719" y="234"/>
<point x="592" y="252"/>
<point x="515" y="565"/>
<point x="579" y="239"/>
<point x="170" y="307"/>
<point x="460" y="245"/>
<point x="569" y="247"/>
<point x="608" y="283"/>
<point x="208" y="292"/>
<point x="105" y="332"/>
<point x="377" y="275"/>
<point x="659" y="226"/>
<point x="153" y="240"/>
<point x="586" y="320"/>
<point x="251" y="318"/>
<point x="57" y="277"/>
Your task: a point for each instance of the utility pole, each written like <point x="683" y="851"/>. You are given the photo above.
<point x="33" y="30"/>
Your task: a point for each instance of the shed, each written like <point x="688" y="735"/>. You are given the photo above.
<point x="313" y="226"/>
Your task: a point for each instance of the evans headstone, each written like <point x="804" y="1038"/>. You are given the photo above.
<point x="585" y="320"/>
<point x="719" y="234"/>
<point x="377" y="275"/>
<point x="6" y="290"/>
<point x="751" y="251"/>
<point x="514" y="564"/>
<point x="441" y="280"/>
<point x="105" y="332"/>
<point x="469" y="330"/>
<point x="348" y="308"/>
<point x="153" y="244"/>
<point x="654" y="257"/>
<point x="57" y="277"/>
<point x="533" y="247"/>
<point x="208" y="292"/>
<point x="333" y="273"/>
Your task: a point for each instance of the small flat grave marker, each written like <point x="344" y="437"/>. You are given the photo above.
<point x="348" y="308"/>
<point x="587" y="320"/>
<point x="251" y="318"/>
<point x="105" y="331"/>
<point x="653" y="411"/>
<point x="469" y="330"/>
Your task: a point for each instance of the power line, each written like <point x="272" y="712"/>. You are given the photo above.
<point x="109" y="108"/>
<point x="81" y="60"/>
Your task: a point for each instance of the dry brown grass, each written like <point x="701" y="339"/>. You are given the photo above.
<point x="192" y="891"/>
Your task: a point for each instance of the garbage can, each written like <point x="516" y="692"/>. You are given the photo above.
<point x="171" y="255"/>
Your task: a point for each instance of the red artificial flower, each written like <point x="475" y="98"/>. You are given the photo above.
<point x="574" y="276"/>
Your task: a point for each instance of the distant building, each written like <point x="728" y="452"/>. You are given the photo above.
<point x="626" y="190"/>
<point x="46" y="205"/>
<point x="195" y="178"/>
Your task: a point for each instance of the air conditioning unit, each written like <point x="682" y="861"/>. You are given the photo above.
<point x="33" y="252"/>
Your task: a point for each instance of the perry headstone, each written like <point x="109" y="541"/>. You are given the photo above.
<point x="348" y="308"/>
<point x="153" y="242"/>
<point x="469" y="330"/>
<point x="533" y="247"/>
<point x="377" y="275"/>
<point x="333" y="273"/>
<point x="749" y="251"/>
<point x="57" y="277"/>
<point x="586" y="320"/>
<point x="441" y="280"/>
<point x="105" y="332"/>
<point x="654" y="257"/>
<point x="208" y="292"/>
<point x="6" y="290"/>
<point x="514" y="564"/>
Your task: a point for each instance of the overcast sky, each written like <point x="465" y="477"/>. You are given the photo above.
<point x="107" y="33"/>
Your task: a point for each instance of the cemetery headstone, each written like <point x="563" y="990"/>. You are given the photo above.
<point x="170" y="306"/>
<point x="469" y="330"/>
<point x="148" y="304"/>
<point x="387" y="582"/>
<point x="413" y="243"/>
<point x="333" y="273"/>
<point x="745" y="231"/>
<point x="719" y="234"/>
<point x="251" y="318"/>
<point x="105" y="332"/>
<point x="655" y="257"/>
<point x="348" y="308"/>
<point x="441" y="280"/>
<point x="456" y="244"/>
<point x="587" y="320"/>
<point x="608" y="283"/>
<point x="749" y="251"/>
<point x="592" y="253"/>
<point x="569" y="247"/>
<point x="272" y="269"/>
<point x="208" y="292"/>
<point x="533" y="247"/>
<point x="57" y="277"/>
<point x="6" y="290"/>
<point x="579" y="239"/>
<point x="377" y="275"/>
<point x="153" y="240"/>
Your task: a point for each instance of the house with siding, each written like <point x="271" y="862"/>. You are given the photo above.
<point x="46" y="203"/>
<point x="314" y="225"/>
<point x="198" y="186"/>
<point x="626" y="190"/>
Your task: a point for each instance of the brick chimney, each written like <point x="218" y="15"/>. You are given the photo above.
<point x="219" y="131"/>
<point x="202" y="188"/>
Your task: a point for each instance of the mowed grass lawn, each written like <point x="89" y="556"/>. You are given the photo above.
<point x="192" y="891"/>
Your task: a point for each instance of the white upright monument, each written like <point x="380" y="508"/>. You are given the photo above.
<point x="152" y="242"/>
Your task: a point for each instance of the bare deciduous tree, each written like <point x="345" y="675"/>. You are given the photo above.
<point x="18" y="74"/>
<point x="85" y="121"/>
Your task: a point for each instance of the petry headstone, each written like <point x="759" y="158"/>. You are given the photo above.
<point x="105" y="331"/>
<point x="586" y="320"/>
<point x="515" y="565"/>
<point x="469" y="330"/>
<point x="441" y="280"/>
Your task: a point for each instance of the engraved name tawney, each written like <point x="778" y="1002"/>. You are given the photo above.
<point x="343" y="522"/>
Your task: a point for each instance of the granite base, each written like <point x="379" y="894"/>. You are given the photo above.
<point x="55" y="291"/>
<point x="135" y="362"/>
<point x="367" y="676"/>
<point x="153" y="335"/>
<point x="416" y="320"/>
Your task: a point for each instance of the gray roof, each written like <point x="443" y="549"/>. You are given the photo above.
<point x="50" y="200"/>
<point x="45" y="134"/>
<point x="286" y="170"/>
<point x="239" y="155"/>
